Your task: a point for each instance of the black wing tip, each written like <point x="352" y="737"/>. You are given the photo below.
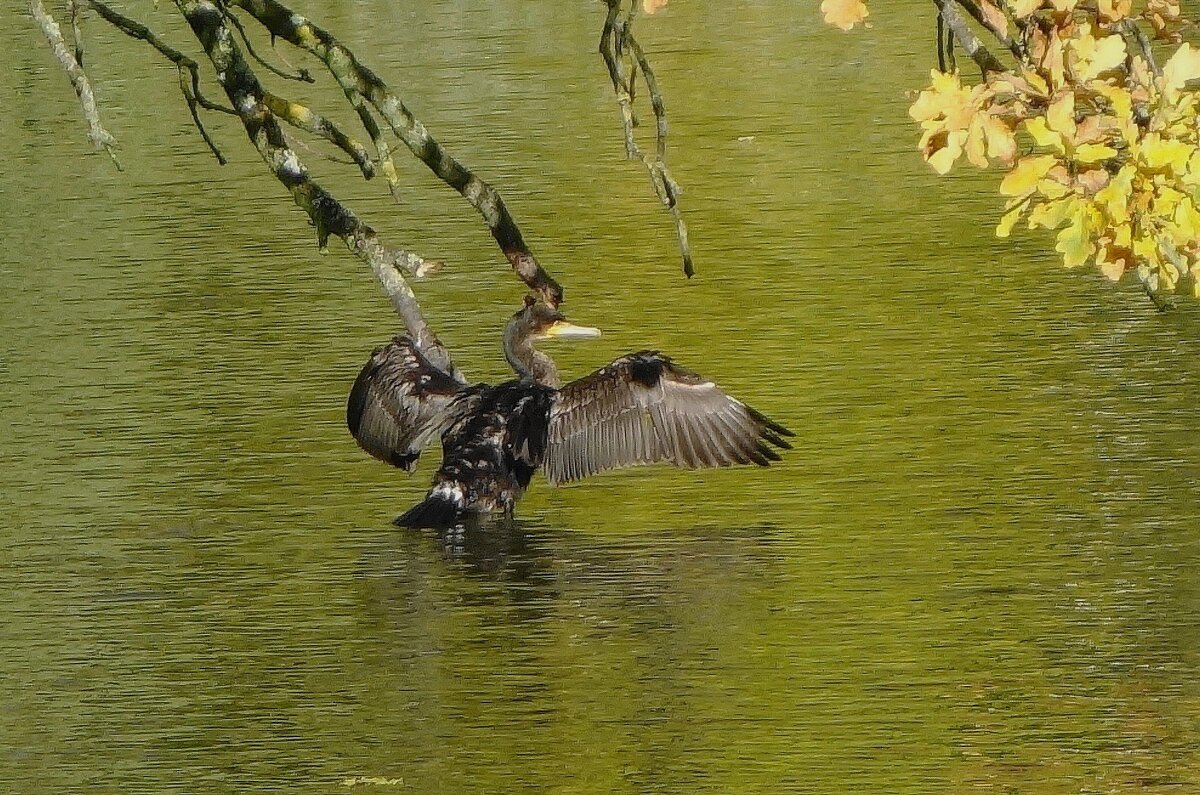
<point x="771" y="425"/>
<point x="766" y="454"/>
<point x="774" y="439"/>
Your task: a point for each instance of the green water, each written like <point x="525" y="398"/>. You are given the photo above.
<point x="977" y="571"/>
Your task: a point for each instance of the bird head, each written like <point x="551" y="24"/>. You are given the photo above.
<point x="540" y="321"/>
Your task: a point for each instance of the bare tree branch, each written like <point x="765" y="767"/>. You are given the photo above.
<point x="303" y="118"/>
<point x="361" y="86"/>
<point x="1013" y="46"/>
<point x="301" y="75"/>
<point x="328" y="215"/>
<point x="1130" y="29"/>
<point x="99" y="137"/>
<point x="966" y="37"/>
<point x="615" y="39"/>
<point x="622" y="87"/>
<point x="76" y="32"/>
<point x="189" y="88"/>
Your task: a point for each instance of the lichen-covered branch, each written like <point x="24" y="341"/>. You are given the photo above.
<point x="99" y="137"/>
<point x="303" y="118"/>
<point x="76" y="32"/>
<point x="990" y="25"/>
<point x="1131" y="30"/>
<point x="613" y="27"/>
<point x="363" y="87"/>
<point x="189" y="70"/>
<point x="617" y="39"/>
<point x="962" y="33"/>
<point x="301" y="75"/>
<point x="328" y="215"/>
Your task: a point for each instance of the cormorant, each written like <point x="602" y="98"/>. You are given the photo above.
<point x="640" y="409"/>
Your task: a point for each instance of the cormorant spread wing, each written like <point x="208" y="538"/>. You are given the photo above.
<point x="642" y="409"/>
<point x="400" y="403"/>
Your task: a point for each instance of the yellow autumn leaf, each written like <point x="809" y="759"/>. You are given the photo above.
<point x="1145" y="248"/>
<point x="1001" y="143"/>
<point x="1009" y="219"/>
<point x="1166" y="200"/>
<point x="1053" y="60"/>
<point x="993" y="17"/>
<point x="1074" y="242"/>
<point x="1060" y="116"/>
<point x="1042" y="134"/>
<point x="1052" y="188"/>
<point x="1158" y="153"/>
<point x="1091" y="180"/>
<point x="1191" y="174"/>
<point x="1036" y="82"/>
<point x="844" y="14"/>
<point x="1187" y="220"/>
<point x="1051" y="214"/>
<point x="1122" y="235"/>
<point x="1093" y="153"/>
<point x="943" y="157"/>
<point x="976" y="146"/>
<point x="944" y="99"/>
<point x="1114" y="10"/>
<point x="1023" y="8"/>
<point x="1094" y="56"/>
<point x="1026" y="174"/>
<point x="1113" y="269"/>
<point x="1183" y="66"/>
<point x="1113" y="198"/>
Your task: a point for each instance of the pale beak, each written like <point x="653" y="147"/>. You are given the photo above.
<point x="562" y="330"/>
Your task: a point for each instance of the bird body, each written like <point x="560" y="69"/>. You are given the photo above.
<point x="640" y="409"/>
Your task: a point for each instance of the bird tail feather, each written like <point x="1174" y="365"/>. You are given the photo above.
<point x="441" y="508"/>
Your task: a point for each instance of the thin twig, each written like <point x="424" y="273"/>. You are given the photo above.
<point x="966" y="37"/>
<point x="76" y="31"/>
<point x="1132" y="30"/>
<point x="941" y="44"/>
<point x="976" y="12"/>
<point x="302" y="75"/>
<point x="328" y="215"/>
<point x="609" y="37"/>
<point x="189" y="84"/>
<point x="301" y="117"/>
<point x="615" y="39"/>
<point x="362" y="86"/>
<point x="1160" y="303"/>
<point x="99" y="136"/>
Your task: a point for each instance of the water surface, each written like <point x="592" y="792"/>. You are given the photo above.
<point x="975" y="573"/>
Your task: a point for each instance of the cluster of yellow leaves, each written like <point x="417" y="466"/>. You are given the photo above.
<point x="1112" y="146"/>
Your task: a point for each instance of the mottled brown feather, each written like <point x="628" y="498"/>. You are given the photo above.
<point x="400" y="403"/>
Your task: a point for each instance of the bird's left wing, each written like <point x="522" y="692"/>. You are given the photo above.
<point x="400" y="403"/>
<point x="642" y="409"/>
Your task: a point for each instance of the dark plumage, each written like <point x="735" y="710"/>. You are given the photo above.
<point x="640" y="409"/>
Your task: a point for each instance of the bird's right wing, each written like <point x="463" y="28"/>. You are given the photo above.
<point x="642" y="409"/>
<point x="400" y="403"/>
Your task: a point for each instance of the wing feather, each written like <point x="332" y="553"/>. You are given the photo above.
<point x="399" y="403"/>
<point x="643" y="409"/>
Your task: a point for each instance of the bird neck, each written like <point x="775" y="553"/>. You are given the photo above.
<point x="528" y="362"/>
